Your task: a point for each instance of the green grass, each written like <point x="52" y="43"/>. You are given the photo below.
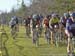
<point x="23" y="46"/>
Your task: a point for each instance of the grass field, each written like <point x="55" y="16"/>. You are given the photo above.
<point x="23" y="46"/>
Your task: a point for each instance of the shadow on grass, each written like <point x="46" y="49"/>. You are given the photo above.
<point x="20" y="49"/>
<point x="4" y="43"/>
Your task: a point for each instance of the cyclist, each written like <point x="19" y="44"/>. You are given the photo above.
<point x="27" y="25"/>
<point x="35" y="28"/>
<point x="14" y="26"/>
<point x="46" y="29"/>
<point x="53" y="21"/>
<point x="70" y="32"/>
<point x="63" y="20"/>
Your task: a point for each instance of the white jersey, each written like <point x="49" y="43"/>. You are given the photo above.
<point x="12" y="21"/>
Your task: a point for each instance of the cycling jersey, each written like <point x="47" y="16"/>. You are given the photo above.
<point x="70" y="26"/>
<point x="46" y="22"/>
<point x="54" y="20"/>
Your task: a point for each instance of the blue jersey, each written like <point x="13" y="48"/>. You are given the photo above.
<point x="70" y="26"/>
<point x="68" y="23"/>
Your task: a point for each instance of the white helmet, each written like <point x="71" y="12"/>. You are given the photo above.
<point x="53" y="15"/>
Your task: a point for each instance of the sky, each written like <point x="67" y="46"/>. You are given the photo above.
<point x="7" y="5"/>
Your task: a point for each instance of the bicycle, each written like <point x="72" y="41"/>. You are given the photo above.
<point x="47" y="34"/>
<point x="36" y="35"/>
<point x="14" y="32"/>
<point x="56" y="35"/>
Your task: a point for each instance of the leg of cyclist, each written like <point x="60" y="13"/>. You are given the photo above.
<point x="73" y="45"/>
<point x="37" y="36"/>
<point x="14" y="32"/>
<point x="34" y="31"/>
<point x="48" y="35"/>
<point x="69" y="43"/>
